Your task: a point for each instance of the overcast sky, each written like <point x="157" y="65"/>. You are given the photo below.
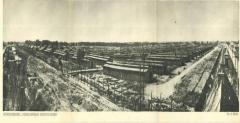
<point x="115" y="20"/>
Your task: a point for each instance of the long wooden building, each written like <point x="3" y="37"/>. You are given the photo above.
<point x="128" y="72"/>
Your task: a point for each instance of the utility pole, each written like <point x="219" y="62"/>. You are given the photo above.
<point x="139" y="89"/>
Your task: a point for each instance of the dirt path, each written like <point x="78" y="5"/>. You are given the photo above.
<point x="167" y="89"/>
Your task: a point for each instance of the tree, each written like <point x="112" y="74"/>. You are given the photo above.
<point x="45" y="42"/>
<point x="38" y="43"/>
<point x="80" y="54"/>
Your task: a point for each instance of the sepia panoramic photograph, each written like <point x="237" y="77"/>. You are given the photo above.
<point x="128" y="55"/>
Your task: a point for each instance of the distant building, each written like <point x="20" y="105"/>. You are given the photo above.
<point x="97" y="59"/>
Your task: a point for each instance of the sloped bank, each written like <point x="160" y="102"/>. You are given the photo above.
<point x="56" y="92"/>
